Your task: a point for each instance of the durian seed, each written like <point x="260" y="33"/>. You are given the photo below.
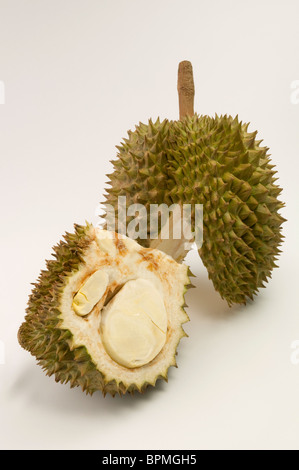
<point x="134" y="324"/>
<point x="90" y="292"/>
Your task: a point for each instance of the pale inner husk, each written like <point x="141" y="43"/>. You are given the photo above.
<point x="123" y="259"/>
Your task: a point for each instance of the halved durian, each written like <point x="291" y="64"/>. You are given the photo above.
<point x="107" y="314"/>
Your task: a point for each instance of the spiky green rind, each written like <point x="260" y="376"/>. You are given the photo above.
<point x="41" y="334"/>
<point x="231" y="175"/>
<point x="140" y="171"/>
<point x="217" y="163"/>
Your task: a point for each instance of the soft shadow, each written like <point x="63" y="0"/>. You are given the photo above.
<point x="39" y="391"/>
<point x="205" y="299"/>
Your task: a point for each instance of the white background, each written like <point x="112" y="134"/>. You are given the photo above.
<point x="78" y="75"/>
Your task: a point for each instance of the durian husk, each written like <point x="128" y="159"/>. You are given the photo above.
<point x="44" y="332"/>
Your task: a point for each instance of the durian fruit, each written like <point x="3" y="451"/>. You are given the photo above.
<point x="231" y="174"/>
<point x="216" y="162"/>
<point x="106" y="314"/>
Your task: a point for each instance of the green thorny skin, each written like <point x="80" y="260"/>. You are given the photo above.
<point x="218" y="163"/>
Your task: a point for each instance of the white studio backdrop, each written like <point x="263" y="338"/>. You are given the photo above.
<point x="75" y="76"/>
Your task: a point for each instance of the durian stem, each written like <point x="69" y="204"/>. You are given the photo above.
<point x="186" y="89"/>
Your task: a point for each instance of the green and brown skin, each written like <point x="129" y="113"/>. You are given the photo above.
<point x="218" y="163"/>
<point x="41" y="334"/>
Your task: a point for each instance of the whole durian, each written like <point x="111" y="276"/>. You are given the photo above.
<point x="215" y="162"/>
<point x="106" y="314"/>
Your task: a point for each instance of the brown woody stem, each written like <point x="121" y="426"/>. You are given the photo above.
<point x="186" y="89"/>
